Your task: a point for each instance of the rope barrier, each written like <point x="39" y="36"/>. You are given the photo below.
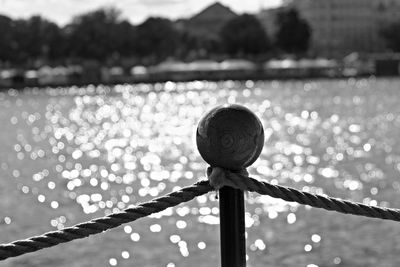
<point x="218" y="178"/>
<point x="240" y="180"/>
<point x="100" y="225"/>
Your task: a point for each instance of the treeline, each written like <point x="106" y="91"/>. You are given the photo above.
<point x="104" y="37"/>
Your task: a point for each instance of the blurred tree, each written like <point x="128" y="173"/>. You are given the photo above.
<point x="32" y="39"/>
<point x="7" y="42"/>
<point x="391" y="35"/>
<point x="188" y="45"/>
<point x="156" y="39"/>
<point x="127" y="38"/>
<point x="210" y="46"/>
<point x="294" y="33"/>
<point x="244" y="35"/>
<point x="100" y="35"/>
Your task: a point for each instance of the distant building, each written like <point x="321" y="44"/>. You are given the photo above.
<point x="387" y="11"/>
<point x="340" y="27"/>
<point x="209" y="21"/>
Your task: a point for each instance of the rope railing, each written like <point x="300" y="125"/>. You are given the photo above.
<point x="218" y="178"/>
<point x="229" y="150"/>
<point x="102" y="224"/>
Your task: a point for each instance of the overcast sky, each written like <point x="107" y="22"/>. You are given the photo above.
<point x="61" y="11"/>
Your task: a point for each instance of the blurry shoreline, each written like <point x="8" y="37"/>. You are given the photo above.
<point x="233" y="69"/>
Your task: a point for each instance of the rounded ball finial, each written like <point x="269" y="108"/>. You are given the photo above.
<point x="230" y="137"/>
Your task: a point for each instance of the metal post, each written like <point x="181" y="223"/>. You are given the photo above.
<point x="233" y="242"/>
<point x="231" y="137"/>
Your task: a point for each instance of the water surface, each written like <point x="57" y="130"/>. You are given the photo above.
<point x="72" y="154"/>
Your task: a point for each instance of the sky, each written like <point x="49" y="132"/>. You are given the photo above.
<point x="136" y="11"/>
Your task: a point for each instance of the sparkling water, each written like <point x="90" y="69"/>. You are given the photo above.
<point x="72" y="154"/>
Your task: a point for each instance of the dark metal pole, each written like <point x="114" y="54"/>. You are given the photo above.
<point x="230" y="137"/>
<point x="233" y="242"/>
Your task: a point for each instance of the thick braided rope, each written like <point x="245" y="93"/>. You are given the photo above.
<point x="99" y="225"/>
<point x="219" y="177"/>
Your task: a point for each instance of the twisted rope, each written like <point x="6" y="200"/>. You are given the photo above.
<point x="240" y="180"/>
<point x="218" y="178"/>
<point x="99" y="225"/>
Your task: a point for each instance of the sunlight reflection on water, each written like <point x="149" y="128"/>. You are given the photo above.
<point x="96" y="150"/>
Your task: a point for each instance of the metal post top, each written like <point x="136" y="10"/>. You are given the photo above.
<point x="230" y="137"/>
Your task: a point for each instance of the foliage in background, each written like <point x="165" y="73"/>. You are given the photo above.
<point x="244" y="35"/>
<point x="7" y="44"/>
<point x="156" y="39"/>
<point x="99" y="35"/>
<point x="102" y="36"/>
<point x="293" y="34"/>
<point x="28" y="40"/>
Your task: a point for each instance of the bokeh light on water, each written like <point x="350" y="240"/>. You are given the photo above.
<point x="71" y="154"/>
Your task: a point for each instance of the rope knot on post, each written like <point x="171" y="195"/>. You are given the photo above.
<point x="219" y="177"/>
